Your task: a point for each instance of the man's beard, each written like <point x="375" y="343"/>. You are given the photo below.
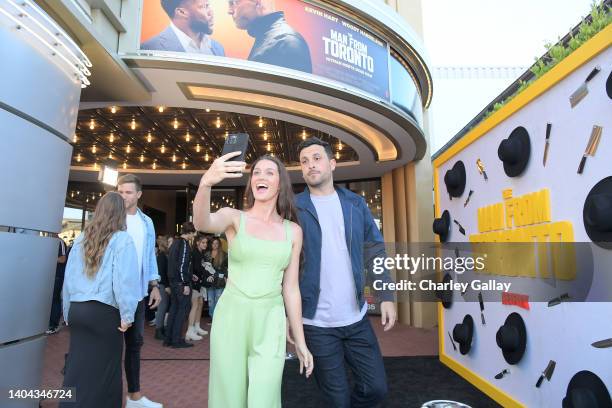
<point x="200" y="26"/>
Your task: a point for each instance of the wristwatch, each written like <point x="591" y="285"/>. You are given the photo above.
<point x="154" y="285"/>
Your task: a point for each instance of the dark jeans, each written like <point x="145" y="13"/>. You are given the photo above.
<point x="133" y="343"/>
<point x="56" y="303"/>
<point x="179" y="308"/>
<point x="356" y="345"/>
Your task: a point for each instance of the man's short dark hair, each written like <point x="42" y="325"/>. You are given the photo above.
<point x="187" y="228"/>
<point x="311" y="141"/>
<point x="130" y="178"/>
<point x="170" y="5"/>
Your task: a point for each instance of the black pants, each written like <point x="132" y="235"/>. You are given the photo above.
<point x="356" y="345"/>
<point x="93" y="366"/>
<point x="133" y="343"/>
<point x="179" y="309"/>
<point x="56" y="303"/>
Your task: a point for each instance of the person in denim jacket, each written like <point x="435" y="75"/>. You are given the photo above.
<point x="140" y="227"/>
<point x="99" y="302"/>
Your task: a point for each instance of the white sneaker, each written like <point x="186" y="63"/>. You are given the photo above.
<point x="143" y="402"/>
<point x="200" y="330"/>
<point x="192" y="335"/>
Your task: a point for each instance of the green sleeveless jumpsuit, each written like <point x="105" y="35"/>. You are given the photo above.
<point x="247" y="344"/>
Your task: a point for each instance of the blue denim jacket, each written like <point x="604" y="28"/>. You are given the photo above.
<point x="363" y="241"/>
<point x="149" y="261"/>
<point x="116" y="283"/>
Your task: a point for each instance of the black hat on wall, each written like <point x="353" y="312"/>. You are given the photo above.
<point x="609" y="86"/>
<point x="463" y="334"/>
<point x="514" y="152"/>
<point x="512" y="338"/>
<point x="446" y="295"/>
<point x="586" y="390"/>
<point x="441" y="226"/>
<point x="455" y="179"/>
<point x="597" y="213"/>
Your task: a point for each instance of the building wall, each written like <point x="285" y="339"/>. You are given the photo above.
<point x="165" y="201"/>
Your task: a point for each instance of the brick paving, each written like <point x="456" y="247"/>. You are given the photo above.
<point x="179" y="378"/>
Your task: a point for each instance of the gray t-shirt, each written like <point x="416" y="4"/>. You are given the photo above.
<point x="337" y="305"/>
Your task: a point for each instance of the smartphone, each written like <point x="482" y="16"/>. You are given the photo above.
<point x="236" y="142"/>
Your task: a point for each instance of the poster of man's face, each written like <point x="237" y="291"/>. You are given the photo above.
<point x="290" y="34"/>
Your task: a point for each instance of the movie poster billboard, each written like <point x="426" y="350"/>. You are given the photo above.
<point x="287" y="33"/>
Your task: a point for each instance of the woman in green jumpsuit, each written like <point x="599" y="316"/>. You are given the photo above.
<point x="248" y="335"/>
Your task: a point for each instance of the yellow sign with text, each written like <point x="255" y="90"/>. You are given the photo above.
<point x="525" y="219"/>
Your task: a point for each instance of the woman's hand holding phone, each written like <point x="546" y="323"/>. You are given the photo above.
<point x="222" y="169"/>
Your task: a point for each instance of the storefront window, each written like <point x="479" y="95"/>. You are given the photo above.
<point x="371" y="192"/>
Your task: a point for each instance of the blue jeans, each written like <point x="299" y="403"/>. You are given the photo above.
<point x="162" y="308"/>
<point x="213" y="297"/>
<point x="356" y="345"/>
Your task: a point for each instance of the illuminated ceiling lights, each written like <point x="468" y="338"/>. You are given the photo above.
<point x="218" y="123"/>
<point x="111" y="137"/>
<point x="175" y="124"/>
<point x="125" y="165"/>
<point x="207" y="110"/>
<point x="149" y="138"/>
<point x="52" y="36"/>
<point x="337" y="155"/>
<point x="133" y="124"/>
<point x="268" y="147"/>
<point x="163" y="148"/>
<point x="128" y="149"/>
<point x="79" y="157"/>
<point x="303" y="134"/>
<point x="184" y="165"/>
<point x="260" y="123"/>
<point x="93" y="149"/>
<point x="92" y="124"/>
<point x="160" y="109"/>
<point x="265" y="135"/>
<point x="187" y="136"/>
<point x="174" y="157"/>
<point x="339" y="145"/>
<point x="113" y="109"/>
<point x="198" y="148"/>
<point x="154" y="164"/>
<point x="206" y="157"/>
<point x="142" y="157"/>
<point x="75" y="138"/>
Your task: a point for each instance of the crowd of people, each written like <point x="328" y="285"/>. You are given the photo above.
<point x="293" y="273"/>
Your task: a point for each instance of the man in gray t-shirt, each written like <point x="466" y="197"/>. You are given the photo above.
<point x="340" y="241"/>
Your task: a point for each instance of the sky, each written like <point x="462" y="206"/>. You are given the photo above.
<point x="494" y="32"/>
<point x="486" y="33"/>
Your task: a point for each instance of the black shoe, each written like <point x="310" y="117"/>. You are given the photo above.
<point x="181" y="345"/>
<point x="159" y="334"/>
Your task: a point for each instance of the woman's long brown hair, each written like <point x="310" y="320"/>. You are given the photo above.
<point x="109" y="217"/>
<point x="220" y="258"/>
<point x="284" y="202"/>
